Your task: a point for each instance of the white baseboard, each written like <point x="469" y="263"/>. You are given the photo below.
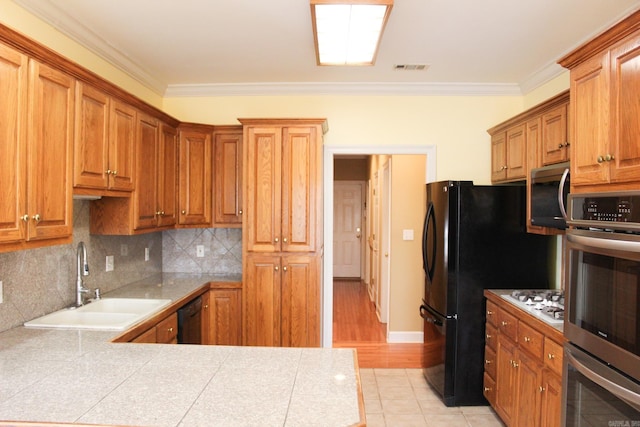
<point x="405" y="337"/>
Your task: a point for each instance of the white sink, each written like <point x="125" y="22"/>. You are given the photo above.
<point x="107" y="314"/>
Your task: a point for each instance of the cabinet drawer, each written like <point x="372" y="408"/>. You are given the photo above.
<point x="167" y="330"/>
<point x="508" y="325"/>
<point x="491" y="337"/>
<point x="553" y="356"/>
<point x="530" y="340"/>
<point x="492" y="313"/>
<point x="490" y="361"/>
<point x="490" y="389"/>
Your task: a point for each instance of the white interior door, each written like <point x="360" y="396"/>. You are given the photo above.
<point x="347" y="228"/>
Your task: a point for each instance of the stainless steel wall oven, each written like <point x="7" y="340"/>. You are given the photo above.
<point x="602" y="319"/>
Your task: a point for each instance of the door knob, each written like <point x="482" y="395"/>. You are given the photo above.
<point x="358" y="232"/>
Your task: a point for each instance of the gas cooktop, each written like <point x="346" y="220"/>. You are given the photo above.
<point x="548" y="304"/>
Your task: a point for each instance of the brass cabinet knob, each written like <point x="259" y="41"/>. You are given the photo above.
<point x="487" y="362"/>
<point x="490" y="313"/>
<point x="541" y="389"/>
<point x="488" y="389"/>
<point x="277" y="268"/>
<point x="115" y="172"/>
<point x="25" y="217"/>
<point x="609" y="157"/>
<point x="161" y="212"/>
<point x="36" y="217"/>
<point x="527" y="339"/>
<point x="206" y="306"/>
<point x="504" y="323"/>
<point x="158" y="213"/>
<point x="560" y="145"/>
<point x="108" y="171"/>
<point x="551" y="356"/>
<point x="284" y="240"/>
<point x="276" y="240"/>
<point x="488" y="336"/>
<point x="170" y="329"/>
<point x="284" y="268"/>
<point x="184" y="212"/>
<point x="600" y="159"/>
<point x="240" y="212"/>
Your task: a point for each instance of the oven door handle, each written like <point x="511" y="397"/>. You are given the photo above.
<point x="630" y="397"/>
<point x="601" y="243"/>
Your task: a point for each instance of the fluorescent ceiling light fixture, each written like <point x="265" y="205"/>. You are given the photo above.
<point x="348" y="32"/>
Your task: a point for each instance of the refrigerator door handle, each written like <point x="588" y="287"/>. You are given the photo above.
<point x="429" y="225"/>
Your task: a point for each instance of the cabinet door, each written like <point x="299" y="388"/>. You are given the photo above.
<point x="262" y="173"/>
<point x="499" y="157"/>
<point x="13" y="108"/>
<point x="50" y="141"/>
<point x="625" y="126"/>
<point x="300" y="187"/>
<point x="223" y="310"/>
<point x="195" y="178"/>
<point x="167" y="178"/>
<point x="516" y="153"/>
<point x="122" y="146"/>
<point x="300" y="301"/>
<point x="590" y="117"/>
<point x="228" y="178"/>
<point x="506" y="380"/>
<point x="261" y="300"/>
<point x="529" y="392"/>
<point x="555" y="142"/>
<point x="551" y="400"/>
<point x="146" y="194"/>
<point x="91" y="143"/>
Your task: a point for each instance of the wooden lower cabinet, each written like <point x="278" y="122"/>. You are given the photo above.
<point x="164" y="332"/>
<point x="523" y="366"/>
<point x="222" y="314"/>
<point x="281" y="300"/>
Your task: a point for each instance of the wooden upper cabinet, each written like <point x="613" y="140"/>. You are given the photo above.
<point x="148" y="152"/>
<point x="509" y="155"/>
<point x="195" y="175"/>
<point x="228" y="176"/>
<point x="555" y="138"/>
<point x="104" y="145"/>
<point x="167" y="212"/>
<point x="605" y="149"/>
<point x="282" y="188"/>
<point x="13" y="110"/>
<point x="50" y="152"/>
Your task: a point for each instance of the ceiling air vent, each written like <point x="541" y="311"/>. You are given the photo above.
<point x="410" y="67"/>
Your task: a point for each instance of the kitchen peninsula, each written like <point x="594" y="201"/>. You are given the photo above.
<point x="79" y="376"/>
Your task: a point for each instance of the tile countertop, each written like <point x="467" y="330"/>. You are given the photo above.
<point x="68" y="376"/>
<point x="504" y="295"/>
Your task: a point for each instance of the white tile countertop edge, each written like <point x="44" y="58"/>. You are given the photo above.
<point x="71" y="376"/>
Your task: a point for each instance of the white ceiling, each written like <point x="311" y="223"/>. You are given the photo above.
<point x="197" y="47"/>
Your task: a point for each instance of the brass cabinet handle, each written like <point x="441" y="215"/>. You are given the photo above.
<point x="36" y="217"/>
<point x="25" y="217"/>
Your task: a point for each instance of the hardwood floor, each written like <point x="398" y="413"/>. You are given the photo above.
<point x="355" y="324"/>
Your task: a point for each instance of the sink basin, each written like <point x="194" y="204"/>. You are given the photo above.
<point x="107" y="314"/>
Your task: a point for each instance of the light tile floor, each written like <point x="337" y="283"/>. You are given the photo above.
<point x="402" y="398"/>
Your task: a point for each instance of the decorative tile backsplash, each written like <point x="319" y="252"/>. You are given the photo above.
<point x="222" y="249"/>
<point x="40" y="281"/>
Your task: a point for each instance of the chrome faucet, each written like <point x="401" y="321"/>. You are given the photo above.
<point x="83" y="270"/>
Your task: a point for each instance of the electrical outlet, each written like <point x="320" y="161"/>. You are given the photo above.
<point x="109" y="263"/>
<point x="146" y="254"/>
<point x="124" y="249"/>
<point x="1" y="292"/>
<point x="200" y="251"/>
<point x="407" y="234"/>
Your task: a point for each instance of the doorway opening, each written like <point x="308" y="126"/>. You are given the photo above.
<point x="352" y="282"/>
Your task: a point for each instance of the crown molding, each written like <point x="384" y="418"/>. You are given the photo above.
<point x="356" y="88"/>
<point x="540" y="77"/>
<point x="84" y="36"/>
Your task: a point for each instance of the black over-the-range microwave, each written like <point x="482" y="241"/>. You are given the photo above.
<point x="549" y="191"/>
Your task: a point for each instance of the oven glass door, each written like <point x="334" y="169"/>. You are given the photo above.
<point x="604" y="291"/>
<point x="596" y="395"/>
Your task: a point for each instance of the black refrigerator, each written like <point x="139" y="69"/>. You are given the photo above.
<point x="474" y="238"/>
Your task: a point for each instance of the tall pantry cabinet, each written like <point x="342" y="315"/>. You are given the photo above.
<point x="282" y="231"/>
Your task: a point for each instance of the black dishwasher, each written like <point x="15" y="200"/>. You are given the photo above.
<point x="190" y="322"/>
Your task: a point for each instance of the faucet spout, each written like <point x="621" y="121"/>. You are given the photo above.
<point x="82" y="270"/>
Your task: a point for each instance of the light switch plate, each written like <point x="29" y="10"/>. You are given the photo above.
<point x="407" y="234"/>
<point x="146" y="254"/>
<point x="109" y="263"/>
<point x="200" y="251"/>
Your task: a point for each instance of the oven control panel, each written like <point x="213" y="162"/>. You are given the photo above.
<point x="595" y="208"/>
